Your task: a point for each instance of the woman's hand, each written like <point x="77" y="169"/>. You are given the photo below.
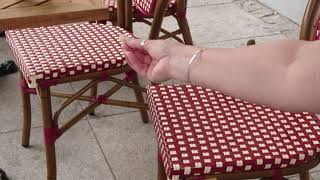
<point x="158" y="60"/>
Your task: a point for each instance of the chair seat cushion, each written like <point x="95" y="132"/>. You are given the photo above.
<point x="204" y="132"/>
<point x="112" y="6"/>
<point x="67" y="50"/>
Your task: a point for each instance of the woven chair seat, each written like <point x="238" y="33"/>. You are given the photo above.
<point x="112" y="6"/>
<point x="55" y="52"/>
<point x="204" y="132"/>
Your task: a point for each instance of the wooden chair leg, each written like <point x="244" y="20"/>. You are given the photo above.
<point x="26" y="109"/>
<point x="93" y="92"/>
<point x="161" y="171"/>
<point x="140" y="99"/>
<point x="185" y="30"/>
<point x="49" y="133"/>
<point x="304" y="175"/>
<point x="158" y="17"/>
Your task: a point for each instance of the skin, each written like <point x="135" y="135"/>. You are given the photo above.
<point x="281" y="74"/>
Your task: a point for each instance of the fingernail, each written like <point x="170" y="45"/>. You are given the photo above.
<point x="123" y="38"/>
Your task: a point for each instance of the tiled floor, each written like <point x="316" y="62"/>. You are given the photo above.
<point x="115" y="144"/>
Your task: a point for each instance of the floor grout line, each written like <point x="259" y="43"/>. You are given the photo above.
<point x="99" y="118"/>
<point x="206" y="5"/>
<point x="283" y="16"/>
<point x="18" y="130"/>
<point x="98" y="143"/>
<point x="242" y="38"/>
<point x="104" y="155"/>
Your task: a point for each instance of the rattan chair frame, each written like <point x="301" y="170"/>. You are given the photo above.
<point x="52" y="130"/>
<point x="158" y="15"/>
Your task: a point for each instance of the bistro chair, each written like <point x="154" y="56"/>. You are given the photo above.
<point x="204" y="134"/>
<point x="157" y="10"/>
<point x="50" y="56"/>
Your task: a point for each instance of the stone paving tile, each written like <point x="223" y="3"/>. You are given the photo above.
<point x="219" y="23"/>
<point x="316" y="169"/>
<point x="193" y="3"/>
<point x="129" y="145"/>
<point x="243" y="42"/>
<point x="270" y="19"/>
<point x="225" y="22"/>
<point x="78" y="156"/>
<point x="292" y="34"/>
<point x="4" y="51"/>
<point x="11" y="110"/>
<point x="315" y="175"/>
<point x="254" y="8"/>
<point x="296" y="177"/>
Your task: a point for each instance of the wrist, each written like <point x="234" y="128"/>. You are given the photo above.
<point x="179" y="62"/>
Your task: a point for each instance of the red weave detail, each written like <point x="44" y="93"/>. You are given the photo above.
<point x="159" y="156"/>
<point x="277" y="174"/>
<point x="25" y="89"/>
<point x="317" y="35"/>
<point x="180" y="14"/>
<point x="101" y="99"/>
<point x="145" y="6"/>
<point x="104" y="77"/>
<point x="48" y="83"/>
<point x="130" y="76"/>
<point x="51" y="135"/>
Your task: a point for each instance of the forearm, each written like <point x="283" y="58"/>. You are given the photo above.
<point x="259" y="73"/>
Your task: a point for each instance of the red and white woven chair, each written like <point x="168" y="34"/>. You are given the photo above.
<point x="204" y="134"/>
<point x="49" y="56"/>
<point x="157" y="10"/>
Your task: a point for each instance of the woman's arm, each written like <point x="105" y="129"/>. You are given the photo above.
<point x="281" y="74"/>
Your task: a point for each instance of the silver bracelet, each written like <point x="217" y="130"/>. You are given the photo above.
<point x="190" y="62"/>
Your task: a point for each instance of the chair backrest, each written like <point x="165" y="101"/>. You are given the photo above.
<point x="310" y="27"/>
<point x="147" y="7"/>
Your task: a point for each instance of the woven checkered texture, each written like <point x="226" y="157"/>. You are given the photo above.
<point x="318" y="31"/>
<point x="59" y="51"/>
<point x="202" y="131"/>
<point x="112" y="6"/>
<point x="146" y="7"/>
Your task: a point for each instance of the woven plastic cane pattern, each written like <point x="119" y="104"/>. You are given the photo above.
<point x="140" y="5"/>
<point x="67" y="50"/>
<point x="146" y="7"/>
<point x="202" y="131"/>
<point x="318" y="31"/>
<point x="112" y="5"/>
